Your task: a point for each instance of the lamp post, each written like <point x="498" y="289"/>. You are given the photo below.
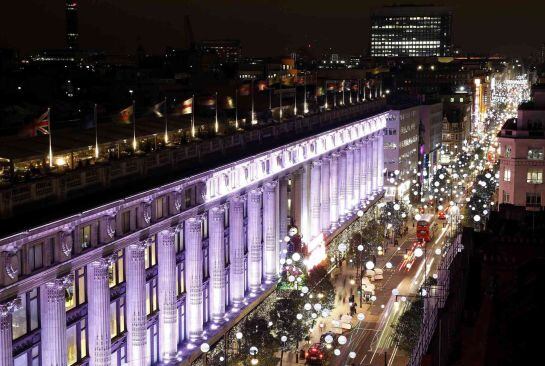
<point x="283" y="339"/>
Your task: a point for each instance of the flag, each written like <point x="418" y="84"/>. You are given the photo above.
<point x="156" y="109"/>
<point x="126" y="114"/>
<point x="207" y="101"/>
<point x="319" y="91"/>
<point x="187" y="106"/>
<point x="262" y="85"/>
<point x="42" y="124"/>
<point x="228" y="103"/>
<point x="244" y="89"/>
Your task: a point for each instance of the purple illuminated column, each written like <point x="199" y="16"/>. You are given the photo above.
<point x="193" y="277"/>
<point x="334" y="189"/>
<point x="168" y="311"/>
<point x="98" y="312"/>
<point x="342" y="185"/>
<point x="315" y="227"/>
<point x="255" y="246"/>
<point x="380" y="161"/>
<point x="375" y="164"/>
<point x="270" y="253"/>
<point x="136" y="303"/>
<point x="357" y="175"/>
<point x="6" y="331"/>
<point x="216" y="258"/>
<point x="236" y="250"/>
<point x="53" y="322"/>
<point x="349" y="178"/>
<point x="369" y="168"/>
<point x="363" y="171"/>
<point x="325" y="220"/>
<point x="283" y="214"/>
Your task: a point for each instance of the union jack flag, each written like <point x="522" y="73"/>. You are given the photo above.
<point x="42" y="124"/>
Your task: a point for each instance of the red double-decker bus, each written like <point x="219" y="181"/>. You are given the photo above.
<point x="425" y="230"/>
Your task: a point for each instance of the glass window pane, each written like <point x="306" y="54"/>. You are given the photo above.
<point x="21" y="360"/>
<point x="113" y="319"/>
<point x="19" y="323"/>
<point x="72" y="348"/>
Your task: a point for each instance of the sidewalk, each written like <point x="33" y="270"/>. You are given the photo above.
<point x="344" y="289"/>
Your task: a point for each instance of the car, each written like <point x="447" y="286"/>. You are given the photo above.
<point x="315" y="355"/>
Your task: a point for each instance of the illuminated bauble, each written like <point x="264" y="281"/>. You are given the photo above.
<point x="438" y="251"/>
<point x="205" y="347"/>
<point x="317" y="307"/>
<point x="396" y="172"/>
<point x="283" y="338"/>
<point x="477" y="218"/>
<point x="361" y="316"/>
<point x="342" y="247"/>
<point x="238" y="335"/>
<point x="299" y="316"/>
<point x="423" y="292"/>
<point x="291" y="278"/>
<point x="253" y="350"/>
<point x="418" y="252"/>
<point x="373" y="298"/>
<point x="342" y="339"/>
<point x="307" y="306"/>
<point x="282" y="261"/>
<point x="304" y="289"/>
<point x="397" y="207"/>
<point x="417" y="217"/>
<point x="360" y="213"/>
<point x="389" y="265"/>
<point x="395" y="292"/>
<point x="352" y="354"/>
<point x="360" y="247"/>
<point x="296" y="256"/>
<point x="328" y="339"/>
<point x="369" y="265"/>
<point x="325" y="313"/>
<point x="313" y="315"/>
<point x="336" y="352"/>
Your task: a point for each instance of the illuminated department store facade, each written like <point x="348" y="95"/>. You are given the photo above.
<point x="148" y="278"/>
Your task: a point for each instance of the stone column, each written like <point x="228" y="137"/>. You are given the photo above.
<point x="98" y="312"/>
<point x="380" y="162"/>
<point x="283" y="213"/>
<point x="193" y="277"/>
<point x="136" y="303"/>
<point x="369" y="168"/>
<point x="270" y="253"/>
<point x="349" y="179"/>
<point x="315" y="227"/>
<point x="363" y="171"/>
<point x="166" y="286"/>
<point x="304" y="229"/>
<point x="375" y="164"/>
<point x="255" y="245"/>
<point x="6" y="333"/>
<point x="357" y="175"/>
<point x="334" y="189"/>
<point x="325" y="220"/>
<point x="236" y="250"/>
<point x="342" y="185"/>
<point x="53" y="321"/>
<point x="295" y="195"/>
<point x="216" y="259"/>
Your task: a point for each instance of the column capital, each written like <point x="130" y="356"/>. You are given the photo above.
<point x="8" y="307"/>
<point x="316" y="163"/>
<point x="194" y="223"/>
<point x="105" y="262"/>
<point x="270" y="185"/>
<point x="216" y="213"/>
<point x="61" y="283"/>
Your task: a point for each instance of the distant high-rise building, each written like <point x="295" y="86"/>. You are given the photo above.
<point x="227" y="50"/>
<point x="72" y="34"/>
<point x="411" y="31"/>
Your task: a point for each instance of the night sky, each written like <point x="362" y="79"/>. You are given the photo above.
<point x="265" y="27"/>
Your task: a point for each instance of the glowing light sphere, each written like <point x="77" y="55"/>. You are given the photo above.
<point x="299" y="316"/>
<point x="282" y="261"/>
<point x="369" y="265"/>
<point x="325" y="313"/>
<point x="373" y="298"/>
<point x="352" y="354"/>
<point x="328" y="338"/>
<point x="438" y="251"/>
<point x="313" y="315"/>
<point x="291" y="278"/>
<point x="296" y="257"/>
<point x="476" y="218"/>
<point x="395" y="292"/>
<point x="389" y="265"/>
<point x="238" y="335"/>
<point x="283" y="338"/>
<point x="417" y="217"/>
<point x="342" y="340"/>
<point x="360" y="213"/>
<point x="418" y="252"/>
<point x="205" y="347"/>
<point x="336" y="352"/>
<point x="397" y="207"/>
<point x="317" y="307"/>
<point x="360" y="247"/>
<point x="307" y="306"/>
<point x="342" y="247"/>
<point x="253" y="350"/>
<point x="304" y="289"/>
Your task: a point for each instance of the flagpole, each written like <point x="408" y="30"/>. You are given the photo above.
<point x="166" y="121"/>
<point x="193" y="116"/>
<point x="50" y="144"/>
<point x="305" y="107"/>
<point x="236" y="109"/>
<point x="134" y="144"/>
<point x="96" y="132"/>
<point x="295" y="102"/>
<point x="216" y="125"/>
<point x="252" y="91"/>
<point x="280" y="101"/>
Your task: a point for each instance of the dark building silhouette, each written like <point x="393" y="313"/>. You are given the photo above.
<point x="72" y="35"/>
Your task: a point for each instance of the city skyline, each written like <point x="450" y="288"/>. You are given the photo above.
<point x="124" y="25"/>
